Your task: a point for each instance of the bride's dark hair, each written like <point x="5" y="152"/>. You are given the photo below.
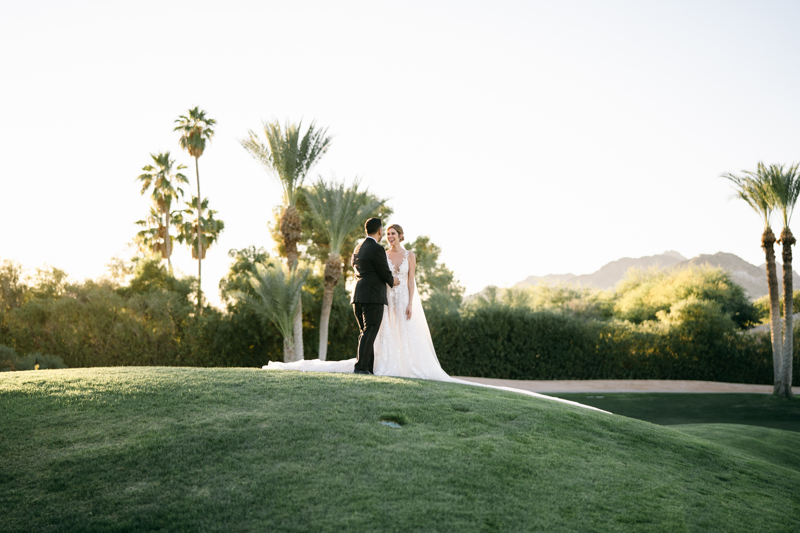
<point x="398" y="229"/>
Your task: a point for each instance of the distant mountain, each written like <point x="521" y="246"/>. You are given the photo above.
<point x="752" y="278"/>
<point x="609" y="275"/>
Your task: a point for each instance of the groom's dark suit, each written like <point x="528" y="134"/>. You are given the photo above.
<point x="372" y="276"/>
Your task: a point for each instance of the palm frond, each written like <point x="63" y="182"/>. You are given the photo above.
<point x="196" y="129"/>
<point x="754" y="188"/>
<point x="340" y="209"/>
<point x="162" y="179"/>
<point x="276" y="294"/>
<point x="784" y="185"/>
<point x="257" y="149"/>
<point x="286" y="154"/>
<point x="210" y="228"/>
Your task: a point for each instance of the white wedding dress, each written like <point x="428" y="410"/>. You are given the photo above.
<point x="403" y="347"/>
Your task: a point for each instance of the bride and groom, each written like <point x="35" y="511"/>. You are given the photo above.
<point x="394" y="339"/>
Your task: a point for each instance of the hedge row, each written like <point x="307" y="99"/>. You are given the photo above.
<point x="509" y="343"/>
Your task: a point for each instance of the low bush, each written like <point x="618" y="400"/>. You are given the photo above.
<point x="10" y="360"/>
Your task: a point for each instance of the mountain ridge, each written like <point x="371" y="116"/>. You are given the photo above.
<point x="752" y="278"/>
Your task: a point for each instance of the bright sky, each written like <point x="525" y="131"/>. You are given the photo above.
<point x="525" y="138"/>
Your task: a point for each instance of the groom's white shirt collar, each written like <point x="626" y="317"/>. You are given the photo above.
<point x="371" y="237"/>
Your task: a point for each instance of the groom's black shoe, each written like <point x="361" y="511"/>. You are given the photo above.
<point x="357" y="371"/>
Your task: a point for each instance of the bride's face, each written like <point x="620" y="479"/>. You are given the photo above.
<point x="392" y="237"/>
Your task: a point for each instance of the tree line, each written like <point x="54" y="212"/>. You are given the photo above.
<point x="687" y="324"/>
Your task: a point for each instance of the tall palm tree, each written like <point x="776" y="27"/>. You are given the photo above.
<point x="164" y="179"/>
<point x="194" y="228"/>
<point x="785" y="186"/>
<point x="339" y="211"/>
<point x="196" y="129"/>
<point x="276" y="295"/>
<point x="754" y="188"/>
<point x="289" y="156"/>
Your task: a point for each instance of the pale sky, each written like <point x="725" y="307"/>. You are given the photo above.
<point x="525" y="138"/>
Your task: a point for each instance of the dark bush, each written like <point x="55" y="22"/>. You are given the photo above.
<point x="9" y="360"/>
<point x="514" y="343"/>
<point x="508" y="343"/>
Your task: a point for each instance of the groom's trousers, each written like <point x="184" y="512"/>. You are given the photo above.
<point x="369" y="317"/>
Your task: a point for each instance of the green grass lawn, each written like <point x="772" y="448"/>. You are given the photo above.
<point x="179" y="449"/>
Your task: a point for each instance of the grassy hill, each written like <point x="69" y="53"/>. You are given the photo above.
<point x="180" y="449"/>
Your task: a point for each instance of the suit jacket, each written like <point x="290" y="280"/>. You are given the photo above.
<point x="372" y="273"/>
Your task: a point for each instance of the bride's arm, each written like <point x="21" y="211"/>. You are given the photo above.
<point x="412" y="267"/>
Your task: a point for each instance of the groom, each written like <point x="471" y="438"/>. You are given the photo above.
<point x="372" y="276"/>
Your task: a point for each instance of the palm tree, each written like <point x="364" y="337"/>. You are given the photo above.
<point x="339" y="211"/>
<point x="164" y="181"/>
<point x="785" y="186"/>
<point x="193" y="225"/>
<point x="754" y="188"/>
<point x="276" y="295"/>
<point x="289" y="156"/>
<point x="196" y="129"/>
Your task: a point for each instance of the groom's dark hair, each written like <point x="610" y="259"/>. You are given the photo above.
<point x="372" y="226"/>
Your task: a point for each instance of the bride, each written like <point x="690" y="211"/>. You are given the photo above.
<point x="403" y="347"/>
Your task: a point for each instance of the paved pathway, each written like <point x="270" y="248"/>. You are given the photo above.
<point x="622" y="385"/>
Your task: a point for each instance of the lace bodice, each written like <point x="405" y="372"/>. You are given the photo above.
<point x="398" y="296"/>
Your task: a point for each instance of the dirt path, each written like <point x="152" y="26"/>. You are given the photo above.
<point x="622" y="385"/>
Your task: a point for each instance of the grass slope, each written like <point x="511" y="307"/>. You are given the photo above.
<point x="148" y="449"/>
<point x="777" y="446"/>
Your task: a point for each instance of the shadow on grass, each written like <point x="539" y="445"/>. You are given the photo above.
<point x="669" y="409"/>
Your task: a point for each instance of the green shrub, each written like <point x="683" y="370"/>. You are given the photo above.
<point x="10" y="361"/>
<point x="643" y="294"/>
<point x="582" y="302"/>
<point x="152" y="321"/>
<point x="695" y="341"/>
<point x="514" y="343"/>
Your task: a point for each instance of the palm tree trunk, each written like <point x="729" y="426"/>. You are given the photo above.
<point x="167" y="242"/>
<point x="787" y="240"/>
<point x="333" y="272"/>
<point x="297" y="327"/>
<point x="767" y="243"/>
<point x="199" y="241"/>
<point x="291" y="229"/>
<point x="298" y="332"/>
<point x="288" y="350"/>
